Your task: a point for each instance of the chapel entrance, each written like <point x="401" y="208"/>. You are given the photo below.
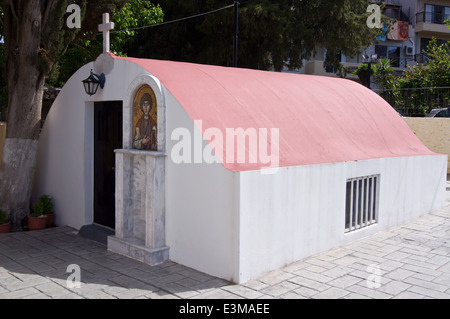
<point x="108" y="120"/>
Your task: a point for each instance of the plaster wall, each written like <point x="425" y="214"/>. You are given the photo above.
<point x="300" y="211"/>
<point x="65" y="155"/>
<point x="201" y="205"/>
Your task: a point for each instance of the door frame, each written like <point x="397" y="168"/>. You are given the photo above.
<point x="89" y="160"/>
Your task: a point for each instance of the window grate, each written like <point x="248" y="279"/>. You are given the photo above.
<point x="361" y="204"/>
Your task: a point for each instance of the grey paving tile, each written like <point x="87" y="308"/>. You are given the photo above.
<point x="344" y="281"/>
<point x="280" y="288"/>
<point x="368" y="292"/>
<point x="331" y="293"/>
<point x="413" y="259"/>
<point x="243" y="291"/>
<point x="394" y="287"/>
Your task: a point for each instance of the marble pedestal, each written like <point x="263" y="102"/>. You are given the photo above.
<point x="140" y="206"/>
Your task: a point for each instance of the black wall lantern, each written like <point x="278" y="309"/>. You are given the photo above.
<point x="92" y="82"/>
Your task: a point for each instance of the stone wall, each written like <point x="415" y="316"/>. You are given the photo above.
<point x="433" y="132"/>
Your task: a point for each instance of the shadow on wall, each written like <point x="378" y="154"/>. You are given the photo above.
<point x="433" y="132"/>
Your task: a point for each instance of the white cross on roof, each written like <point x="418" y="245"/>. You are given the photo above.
<point x="106" y="27"/>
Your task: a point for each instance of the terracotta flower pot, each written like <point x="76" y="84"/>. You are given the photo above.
<point x="5" y="228"/>
<point x="35" y="223"/>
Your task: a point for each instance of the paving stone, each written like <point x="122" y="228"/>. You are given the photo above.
<point x="344" y="281"/>
<point x="426" y="284"/>
<point x="160" y="294"/>
<point x="20" y="294"/>
<point x="195" y="275"/>
<point x="409" y="295"/>
<point x="52" y="289"/>
<point x="280" y="288"/>
<point x="306" y="292"/>
<point x="423" y="277"/>
<point x="309" y="283"/>
<point x="399" y="274"/>
<point x="422" y="270"/>
<point x="188" y="282"/>
<point x="421" y="264"/>
<point x="331" y="293"/>
<point x="439" y="260"/>
<point x="368" y="292"/>
<point x="211" y="284"/>
<point x="132" y="293"/>
<point x="313" y="276"/>
<point x="317" y="262"/>
<point x="429" y="292"/>
<point x="443" y="279"/>
<point x="114" y="290"/>
<point x="338" y="271"/>
<point x="353" y="295"/>
<point x="397" y="255"/>
<point x="394" y="287"/>
<point x="276" y="277"/>
<point x="217" y="294"/>
<point x="347" y="260"/>
<point x="256" y="285"/>
<point x="163" y="280"/>
<point x="292" y="295"/>
<point x="179" y="290"/>
<point x="243" y="291"/>
<point x="390" y="265"/>
<point x="127" y="282"/>
<point x="315" y="269"/>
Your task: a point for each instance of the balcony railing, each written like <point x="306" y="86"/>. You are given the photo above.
<point x="429" y="17"/>
<point x="409" y="61"/>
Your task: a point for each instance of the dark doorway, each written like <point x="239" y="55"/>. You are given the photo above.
<point x="107" y="138"/>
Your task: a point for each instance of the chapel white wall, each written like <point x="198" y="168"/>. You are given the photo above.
<point x="300" y="211"/>
<point x="201" y="207"/>
<point x="65" y="155"/>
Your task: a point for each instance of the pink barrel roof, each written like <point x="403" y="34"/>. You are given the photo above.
<point x="320" y="119"/>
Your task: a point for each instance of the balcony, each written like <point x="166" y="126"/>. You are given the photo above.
<point x="432" y="23"/>
<point x="315" y="67"/>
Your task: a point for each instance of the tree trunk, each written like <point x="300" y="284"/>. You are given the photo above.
<point x="20" y="152"/>
<point x="26" y="79"/>
<point x="35" y="37"/>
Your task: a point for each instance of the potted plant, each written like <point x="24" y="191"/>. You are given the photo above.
<point x="37" y="219"/>
<point x="5" y="223"/>
<point x="47" y="204"/>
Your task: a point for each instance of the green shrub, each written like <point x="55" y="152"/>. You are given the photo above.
<point x="47" y="203"/>
<point x="38" y="209"/>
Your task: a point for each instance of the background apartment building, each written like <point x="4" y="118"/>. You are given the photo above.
<point x="418" y="21"/>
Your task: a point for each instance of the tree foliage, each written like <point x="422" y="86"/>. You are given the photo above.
<point x="272" y="34"/>
<point x="134" y="14"/>
<point x="418" y="91"/>
<point x="384" y="73"/>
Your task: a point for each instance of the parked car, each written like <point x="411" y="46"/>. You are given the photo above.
<point x="444" y="112"/>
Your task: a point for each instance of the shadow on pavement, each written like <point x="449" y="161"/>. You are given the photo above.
<point x="39" y="260"/>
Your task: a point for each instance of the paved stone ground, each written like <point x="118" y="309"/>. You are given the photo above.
<point x="408" y="261"/>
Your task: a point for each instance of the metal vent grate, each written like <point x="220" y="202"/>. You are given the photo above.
<point x="361" y="204"/>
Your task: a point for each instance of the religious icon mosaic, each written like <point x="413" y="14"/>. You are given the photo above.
<point x="145" y="119"/>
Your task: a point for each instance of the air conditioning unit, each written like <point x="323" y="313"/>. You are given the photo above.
<point x="409" y="50"/>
